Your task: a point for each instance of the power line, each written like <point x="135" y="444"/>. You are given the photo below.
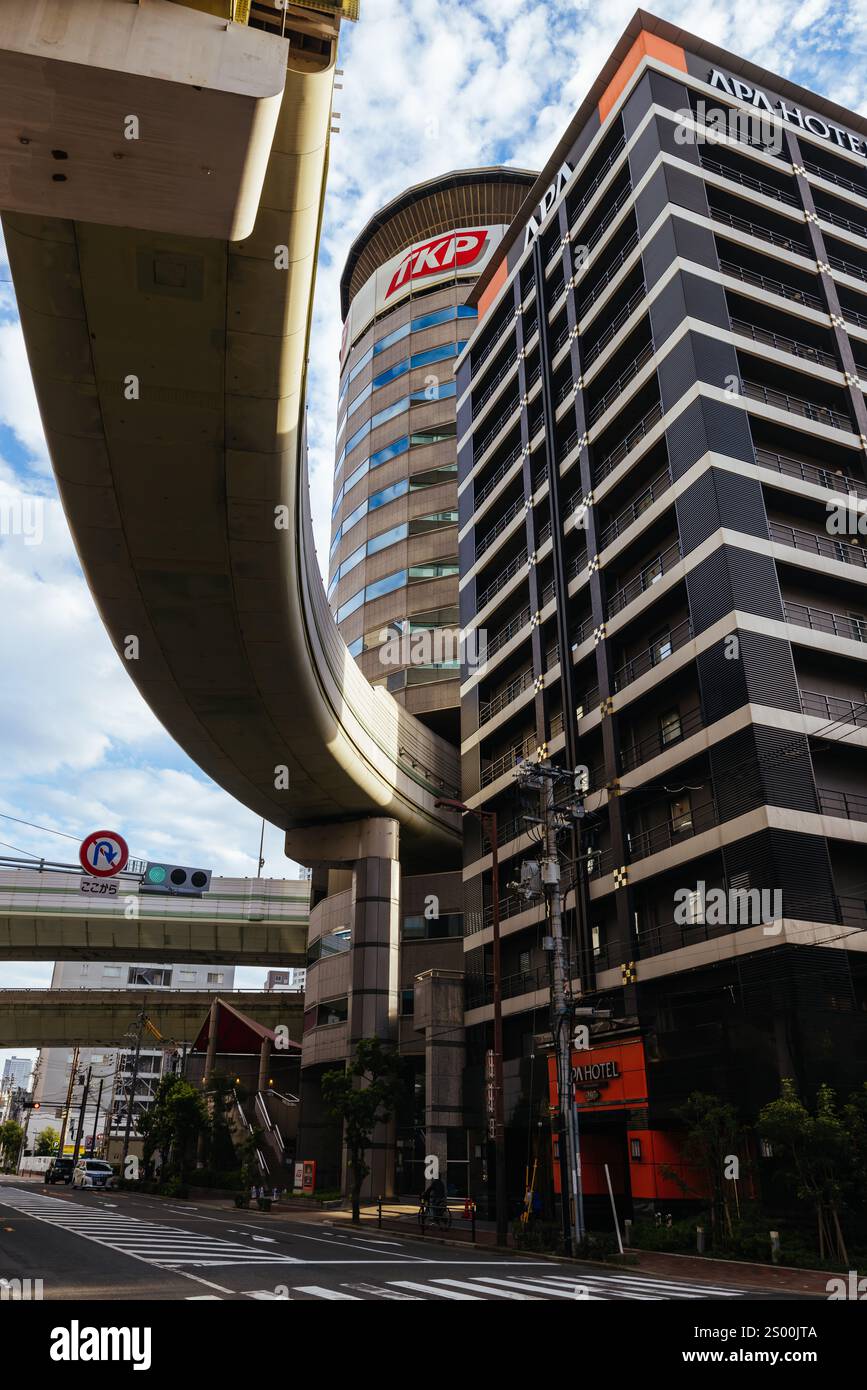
<point x="33" y="826"/>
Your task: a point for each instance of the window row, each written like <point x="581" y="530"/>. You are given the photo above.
<point x="406" y="364"/>
<point x="418" y="526"/>
<point x="416" y="325"/>
<point x="425" y="395"/>
<point x="416" y="574"/>
<point x="431" y="477"/>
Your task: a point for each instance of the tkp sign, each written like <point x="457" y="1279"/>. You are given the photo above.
<point x="437" y="256"/>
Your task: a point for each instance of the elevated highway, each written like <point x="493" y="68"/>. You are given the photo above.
<point x="94" y="1018"/>
<point x="44" y="916"/>
<point x="165" y="286"/>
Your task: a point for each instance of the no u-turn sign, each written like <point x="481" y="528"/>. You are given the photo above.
<point x="103" y="853"/>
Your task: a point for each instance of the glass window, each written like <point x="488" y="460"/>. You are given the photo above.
<point x="357" y="647"/>
<point x="387" y="538"/>
<point x="441" y="393"/>
<point x="356" y="476"/>
<point x="431" y="477"/>
<point x="433" y="928"/>
<point x="149" y="975"/>
<point x="364" y="395"/>
<point x="407" y="1000"/>
<point x="388" y="413"/>
<point x="386" y="585"/>
<point x="351" y="606"/>
<point x="351" y="561"/>
<point x="434" y="435"/>
<point x="394" y="337"/>
<point x="389" y="451"/>
<point x="434" y="521"/>
<point x="355" y="439"/>
<point x="356" y="515"/>
<point x="335" y="1011"/>
<point x="361" y="363"/>
<point x="332" y="584"/>
<point x="669" y="727"/>
<point x="391" y="373"/>
<point x="388" y="494"/>
<point x="681" y="815"/>
<point x="439" y="570"/>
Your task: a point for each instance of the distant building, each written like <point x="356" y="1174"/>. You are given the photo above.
<point x="16" y="1072"/>
<point x="293" y="980"/>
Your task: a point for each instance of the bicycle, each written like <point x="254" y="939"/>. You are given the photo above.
<point x="439" y="1216"/>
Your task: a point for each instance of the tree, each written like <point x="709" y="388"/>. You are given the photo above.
<point x="818" y="1152"/>
<point x="47" y="1141"/>
<point x="11" y="1135"/>
<point x="714" y="1136"/>
<point x="362" y="1096"/>
<point x="173" y="1124"/>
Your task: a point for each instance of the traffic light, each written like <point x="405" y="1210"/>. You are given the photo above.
<point x="175" y="878"/>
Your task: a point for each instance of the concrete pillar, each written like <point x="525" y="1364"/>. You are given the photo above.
<point x="439" y="1014"/>
<point x="264" y="1063"/>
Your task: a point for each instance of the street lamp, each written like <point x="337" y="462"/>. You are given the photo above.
<point x="489" y="820"/>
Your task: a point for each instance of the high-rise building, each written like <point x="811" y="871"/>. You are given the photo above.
<point x="393" y="561"/>
<point x="16" y="1072"/>
<point x="662" y="454"/>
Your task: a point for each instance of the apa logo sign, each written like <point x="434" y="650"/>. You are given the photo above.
<point x="552" y="194"/>
<point x="433" y="257"/>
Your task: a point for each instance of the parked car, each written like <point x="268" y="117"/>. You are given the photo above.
<point x="60" y="1170"/>
<point x="93" y="1172"/>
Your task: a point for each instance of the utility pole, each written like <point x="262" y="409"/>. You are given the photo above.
<point x="72" y="1071"/>
<point x="131" y="1098"/>
<point x="81" y="1115"/>
<point x="561" y="1002"/>
<point x="96" y="1117"/>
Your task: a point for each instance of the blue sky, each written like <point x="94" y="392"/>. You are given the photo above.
<point x="429" y="85"/>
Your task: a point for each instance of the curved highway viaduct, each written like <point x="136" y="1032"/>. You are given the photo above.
<point x="95" y="1018"/>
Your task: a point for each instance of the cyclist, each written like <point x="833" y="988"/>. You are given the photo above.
<point x="435" y="1197"/>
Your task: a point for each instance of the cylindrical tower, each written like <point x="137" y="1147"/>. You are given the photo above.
<point x="393" y="562"/>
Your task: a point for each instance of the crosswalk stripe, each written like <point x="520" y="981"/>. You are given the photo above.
<point x="536" y="1287"/>
<point x="319" y="1292"/>
<point x="440" y="1293"/>
<point x="384" y="1291"/>
<point x="479" y="1289"/>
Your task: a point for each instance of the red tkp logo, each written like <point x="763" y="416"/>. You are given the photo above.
<point x="433" y="257"/>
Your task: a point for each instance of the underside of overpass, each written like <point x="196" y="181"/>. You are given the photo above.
<point x="168" y="939"/>
<point x="162" y="215"/>
<point x="94" y="1018"/>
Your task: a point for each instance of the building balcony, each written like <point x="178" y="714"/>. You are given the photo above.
<point x="517" y="507"/>
<point x="511" y="758"/>
<point x="490" y="388"/>
<point x="834" y="709"/>
<point x="611" y="269"/>
<point x="623" y="448"/>
<point x="488" y="438"/>
<point x="674" y="936"/>
<point x="650" y="575"/>
<point x="772" y="285"/>
<point x="853" y="316"/>
<point x="502" y="579"/>
<point x="810" y="472"/>
<point x="499" y="472"/>
<point x="850" y="805"/>
<point x="832" y="177"/>
<point x="750" y="228"/>
<point x="615" y="390"/>
<point x="820" y="620"/>
<point x="614" y="327"/>
<point x="782" y="400"/>
<point x="653" y="656"/>
<point x="633" y="755"/>
<point x="579" y="200"/>
<point x="768" y="190"/>
<point x="785" y="344"/>
<point x="819" y="545"/>
<point x="672" y="832"/>
<point x="640" y="504"/>
<point x="488" y="709"/>
<point x="847" y="267"/>
<point x="837" y="220"/>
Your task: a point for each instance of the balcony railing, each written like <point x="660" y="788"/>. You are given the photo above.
<point x="836" y="624"/>
<point x="784" y="344"/>
<point x="505" y="520"/>
<point x="613" y="266"/>
<point x="507" y="632"/>
<point x="853" y="316"/>
<point x="586" y="702"/>
<point x="852" y="805"/>
<point x="650" y="575"/>
<point x="497" y="766"/>
<point x="635" y="509"/>
<point x="810" y="472"/>
<point x="614" y="327"/>
<point x="491" y="387"/>
<point x="747" y="181"/>
<point x="616" y="389"/>
<point x="653" y="656"/>
<point x="673" y="733"/>
<point x="503" y="698"/>
<point x="835" y="178"/>
<point x="626" y="445"/>
<point x="773" y="286"/>
<point x="500" y="472"/>
<point x="479" y="449"/>
<point x="743" y="224"/>
<point x="837" y="220"/>
<point x="577" y="206"/>
<point x="823" y="414"/>
<point x="819" y="545"/>
<point x="497" y="340"/>
<point x="673" y="936"/>
<point x="834" y="709"/>
<point x="507" y="573"/>
<point x="848" y="267"/>
<point x="672" y="832"/>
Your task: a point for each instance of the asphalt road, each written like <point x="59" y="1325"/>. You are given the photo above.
<point x="117" y="1245"/>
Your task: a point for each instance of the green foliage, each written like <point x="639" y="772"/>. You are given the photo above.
<point x="363" y="1095"/>
<point x="11" y="1135"/>
<point x="47" y="1142"/>
<point x="172" y="1125"/>
<point x="714" y="1134"/>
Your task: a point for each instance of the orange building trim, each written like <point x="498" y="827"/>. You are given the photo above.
<point x="645" y="46"/>
<point x="492" y="289"/>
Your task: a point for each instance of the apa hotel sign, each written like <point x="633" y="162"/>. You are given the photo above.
<point x="793" y="115"/>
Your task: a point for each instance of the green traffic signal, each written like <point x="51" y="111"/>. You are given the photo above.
<point x="155" y="874"/>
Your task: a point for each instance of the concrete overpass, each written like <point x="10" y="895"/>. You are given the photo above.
<point x="101" y="1018"/>
<point x="44" y="916"/>
<point x="165" y="285"/>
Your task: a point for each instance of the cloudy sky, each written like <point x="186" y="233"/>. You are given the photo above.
<point x="429" y="85"/>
